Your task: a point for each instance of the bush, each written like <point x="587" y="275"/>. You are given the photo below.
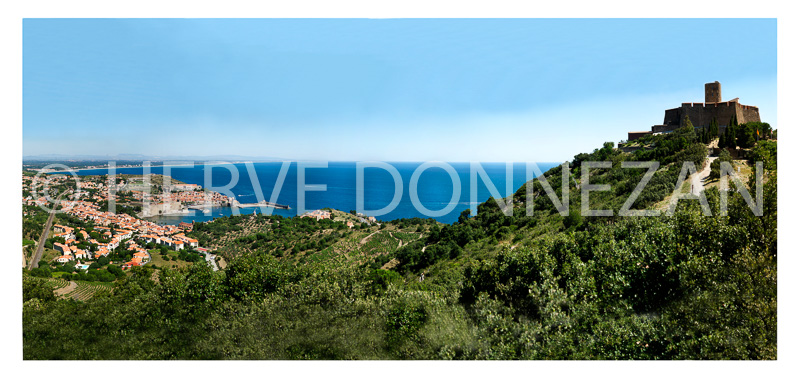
<point x="574" y="220"/>
<point x="767" y="152"/>
<point x="403" y="323"/>
<point x="42" y="271"/>
<point x="724" y="155"/>
<point x="115" y="270"/>
<point x="37" y="289"/>
<point x="381" y="279"/>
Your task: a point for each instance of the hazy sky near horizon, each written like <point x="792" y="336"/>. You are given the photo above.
<point x="382" y="89"/>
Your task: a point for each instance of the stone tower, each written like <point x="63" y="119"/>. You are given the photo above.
<point x="713" y="92"/>
<point x="702" y="114"/>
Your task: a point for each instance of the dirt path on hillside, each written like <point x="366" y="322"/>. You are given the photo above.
<point x="391" y="264"/>
<point x="399" y="241"/>
<point x="701" y="177"/>
<point x="364" y="240"/>
<point x="66" y="289"/>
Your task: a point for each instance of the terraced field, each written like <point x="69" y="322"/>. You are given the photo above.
<point x="86" y="290"/>
<point x="54" y="283"/>
<point x="305" y="240"/>
<point x="406" y="237"/>
<point x="380" y="243"/>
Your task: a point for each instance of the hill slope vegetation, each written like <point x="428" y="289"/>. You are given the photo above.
<point x="545" y="286"/>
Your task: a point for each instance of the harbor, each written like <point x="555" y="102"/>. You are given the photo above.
<point x="235" y="203"/>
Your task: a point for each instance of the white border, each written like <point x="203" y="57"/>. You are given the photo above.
<point x="12" y="151"/>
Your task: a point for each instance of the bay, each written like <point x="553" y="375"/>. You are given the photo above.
<point x="434" y="188"/>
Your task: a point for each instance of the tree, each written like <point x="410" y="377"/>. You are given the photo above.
<point x="724" y="155"/>
<point x="381" y="279"/>
<point x="42" y="271"/>
<point x="686" y="122"/>
<point x="714" y="128"/>
<point x="729" y="137"/>
<point x="765" y="151"/>
<point x="115" y="270"/>
<point x="723" y="139"/>
<point x="574" y="220"/>
<point x="749" y="141"/>
<point x="33" y="288"/>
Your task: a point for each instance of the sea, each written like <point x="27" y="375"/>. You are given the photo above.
<point x="334" y="186"/>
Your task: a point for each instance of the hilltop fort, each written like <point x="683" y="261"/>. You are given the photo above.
<point x="702" y="113"/>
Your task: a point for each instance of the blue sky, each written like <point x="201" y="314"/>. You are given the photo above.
<point x="384" y="89"/>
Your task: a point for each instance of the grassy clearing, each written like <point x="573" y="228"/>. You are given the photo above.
<point x="50" y="255"/>
<point x="159" y="261"/>
<point x="742" y="169"/>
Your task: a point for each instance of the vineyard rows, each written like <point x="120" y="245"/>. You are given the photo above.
<point x="86" y="290"/>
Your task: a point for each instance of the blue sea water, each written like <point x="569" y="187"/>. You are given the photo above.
<point x="434" y="188"/>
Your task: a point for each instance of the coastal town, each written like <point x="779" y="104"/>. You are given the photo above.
<point x="90" y="231"/>
<point x="121" y="236"/>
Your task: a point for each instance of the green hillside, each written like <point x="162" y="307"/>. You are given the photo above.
<point x="540" y="286"/>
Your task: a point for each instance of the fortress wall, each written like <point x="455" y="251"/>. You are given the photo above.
<point x="723" y="112"/>
<point x="698" y="114"/>
<point x="701" y="114"/>
<point x="633" y="135"/>
<point x="672" y="116"/>
<point x="663" y="128"/>
<point x="749" y="114"/>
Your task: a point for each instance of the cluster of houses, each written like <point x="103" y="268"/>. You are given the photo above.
<point x="176" y="242"/>
<point x="140" y="255"/>
<point x="186" y="187"/>
<point x="97" y="190"/>
<point x="317" y="214"/>
<point x="71" y="252"/>
<point x="324" y="214"/>
<point x="33" y="183"/>
<point x="115" y="229"/>
<point x="197" y="197"/>
<point x="365" y="219"/>
<point x="125" y="227"/>
<point x="73" y="238"/>
<point x="37" y="186"/>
